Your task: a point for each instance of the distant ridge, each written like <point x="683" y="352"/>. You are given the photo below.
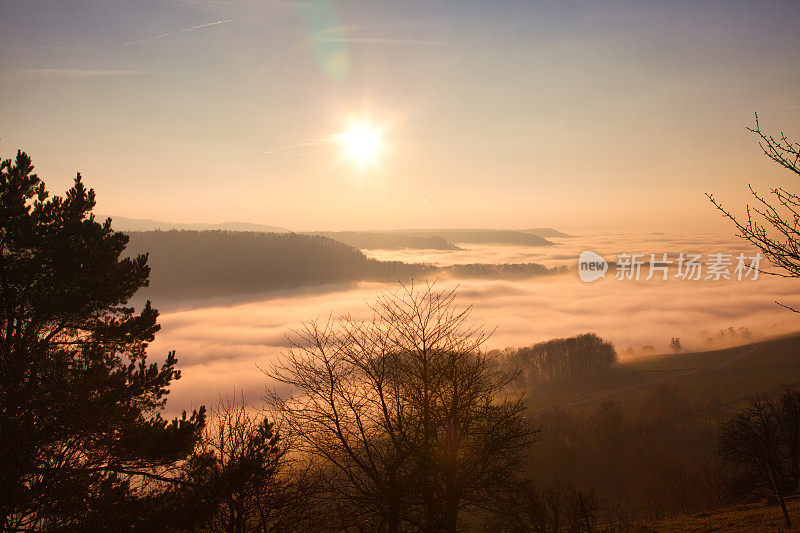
<point x="192" y="265"/>
<point x="382" y="240"/>
<point x="421" y="239"/>
<point x="144" y="224"/>
<point x="547" y="232"/>
<point x="482" y="236"/>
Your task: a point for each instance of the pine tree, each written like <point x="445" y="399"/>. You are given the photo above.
<point x="82" y="439"/>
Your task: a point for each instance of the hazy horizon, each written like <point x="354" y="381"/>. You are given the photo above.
<point x="221" y="222"/>
<point x="525" y="115"/>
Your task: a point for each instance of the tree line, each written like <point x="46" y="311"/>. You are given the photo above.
<point x="566" y="360"/>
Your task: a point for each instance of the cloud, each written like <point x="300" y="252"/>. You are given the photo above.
<point x="223" y="347"/>
<point x="82" y="72"/>
<point x="184" y="30"/>
<point x="302" y="148"/>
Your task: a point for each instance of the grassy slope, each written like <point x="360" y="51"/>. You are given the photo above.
<point x="706" y="388"/>
<point x="729" y="376"/>
<point x="741" y="518"/>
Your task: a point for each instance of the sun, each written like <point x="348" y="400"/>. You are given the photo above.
<point x="362" y="142"/>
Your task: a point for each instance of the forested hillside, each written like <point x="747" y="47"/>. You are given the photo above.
<point x="202" y="264"/>
<point x="210" y="263"/>
<point x="483" y="236"/>
<point x="389" y="240"/>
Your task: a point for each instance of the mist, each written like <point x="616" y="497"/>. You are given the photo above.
<point x="224" y="346"/>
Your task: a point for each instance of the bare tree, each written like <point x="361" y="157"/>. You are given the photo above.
<point x="583" y="509"/>
<point x="409" y="413"/>
<point x="773" y="224"/>
<point x="757" y="440"/>
<point x="548" y="509"/>
<point x="244" y="473"/>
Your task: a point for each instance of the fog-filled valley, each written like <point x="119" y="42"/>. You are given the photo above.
<point x="633" y="423"/>
<point x="231" y="311"/>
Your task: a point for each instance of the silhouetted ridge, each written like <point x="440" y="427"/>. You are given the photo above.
<point x="145" y="224"/>
<point x="500" y="271"/>
<point x="213" y="263"/>
<point x="482" y="236"/>
<point x="547" y="232"/>
<point x="389" y="241"/>
<point x="201" y="264"/>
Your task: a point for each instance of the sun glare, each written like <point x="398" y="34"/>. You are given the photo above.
<point x="361" y="143"/>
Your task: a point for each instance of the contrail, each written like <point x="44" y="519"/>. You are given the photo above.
<point x="184" y="30"/>
<point x="289" y="149"/>
<point x="83" y="72"/>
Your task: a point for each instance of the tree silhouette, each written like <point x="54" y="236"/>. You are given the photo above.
<point x="572" y="359"/>
<point x="763" y="440"/>
<point x="82" y="439"/>
<point x="406" y="411"/>
<point x="675" y="344"/>
<point x="773" y="226"/>
<point x="244" y="476"/>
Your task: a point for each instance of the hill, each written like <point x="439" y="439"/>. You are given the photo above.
<point x="733" y="375"/>
<point x="189" y="265"/>
<point x="482" y="236"/>
<point x="434" y="239"/>
<point x="200" y="264"/>
<point x="380" y="240"/>
<point x="736" y="519"/>
<point x="144" y="224"/>
<point x="547" y="232"/>
<point x="647" y="433"/>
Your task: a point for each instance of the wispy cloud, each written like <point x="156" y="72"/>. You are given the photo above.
<point x="301" y="148"/>
<point x="184" y="30"/>
<point x="81" y="72"/>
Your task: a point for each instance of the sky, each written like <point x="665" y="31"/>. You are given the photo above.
<point x="491" y="114"/>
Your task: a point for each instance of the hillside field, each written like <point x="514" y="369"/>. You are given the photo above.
<point x="647" y="433"/>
